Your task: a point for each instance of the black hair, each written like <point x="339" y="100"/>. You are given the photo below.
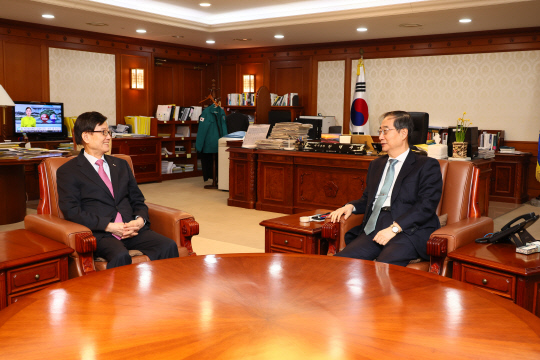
<point x="87" y="122"/>
<point x="402" y="120"/>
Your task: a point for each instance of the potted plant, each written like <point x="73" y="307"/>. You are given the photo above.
<point x="460" y="146"/>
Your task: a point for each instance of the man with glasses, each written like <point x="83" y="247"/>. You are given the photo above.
<point x="100" y="192"/>
<point x="399" y="202"/>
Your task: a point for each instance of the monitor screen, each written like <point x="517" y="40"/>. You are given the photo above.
<point x="39" y="118"/>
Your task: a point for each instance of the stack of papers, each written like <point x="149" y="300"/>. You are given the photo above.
<point x="269" y="144"/>
<point x="485" y="153"/>
<point x="289" y="130"/>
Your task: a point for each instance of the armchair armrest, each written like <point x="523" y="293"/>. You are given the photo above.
<point x="174" y="224"/>
<point x="334" y="232"/>
<point x="74" y="235"/>
<point x="453" y="236"/>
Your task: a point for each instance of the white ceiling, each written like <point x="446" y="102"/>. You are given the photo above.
<point x="301" y="22"/>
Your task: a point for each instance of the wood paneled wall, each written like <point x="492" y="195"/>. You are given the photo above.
<point x="24" y="66"/>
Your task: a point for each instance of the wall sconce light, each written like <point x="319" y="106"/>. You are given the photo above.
<point x="249" y="83"/>
<point x="137" y="79"/>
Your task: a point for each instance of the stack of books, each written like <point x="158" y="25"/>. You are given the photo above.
<point x="166" y="167"/>
<point x="289" y="99"/>
<point x="507" y="150"/>
<point x="244" y="99"/>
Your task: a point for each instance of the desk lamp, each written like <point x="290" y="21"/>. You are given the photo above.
<point x="5" y="100"/>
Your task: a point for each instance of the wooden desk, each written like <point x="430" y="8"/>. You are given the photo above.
<point x="266" y="306"/>
<point x="13" y="187"/>
<point x="294" y="181"/>
<point x="28" y="263"/>
<point x="499" y="269"/>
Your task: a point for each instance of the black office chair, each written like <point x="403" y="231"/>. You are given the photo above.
<point x="421" y="124"/>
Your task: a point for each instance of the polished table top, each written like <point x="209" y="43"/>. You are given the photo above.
<point x="266" y="306"/>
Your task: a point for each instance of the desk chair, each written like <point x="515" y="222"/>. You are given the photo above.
<point x="421" y="125"/>
<point x="458" y="205"/>
<point x="49" y="222"/>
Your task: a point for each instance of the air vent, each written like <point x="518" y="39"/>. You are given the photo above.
<point x="97" y="24"/>
<point x="240" y="39"/>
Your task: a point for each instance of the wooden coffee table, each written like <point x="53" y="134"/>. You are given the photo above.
<point x="266" y="306"/>
<point x="286" y="234"/>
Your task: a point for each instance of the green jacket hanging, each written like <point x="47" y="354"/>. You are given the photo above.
<point x="212" y="126"/>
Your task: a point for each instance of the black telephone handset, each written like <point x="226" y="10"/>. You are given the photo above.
<point x="513" y="233"/>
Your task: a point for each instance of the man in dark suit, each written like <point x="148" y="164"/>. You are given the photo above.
<point x="401" y="196"/>
<point x="100" y="192"/>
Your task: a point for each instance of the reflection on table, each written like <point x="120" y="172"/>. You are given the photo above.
<point x="266" y="306"/>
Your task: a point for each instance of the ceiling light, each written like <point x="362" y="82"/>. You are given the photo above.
<point x="210" y="41"/>
<point x="361" y="29"/>
<point x="205" y="4"/>
<point x="410" y="25"/>
<point x="178" y="36"/>
<point x="48" y="16"/>
<point x="141" y="31"/>
<point x="465" y="21"/>
<point x="97" y="24"/>
<point x="279" y="36"/>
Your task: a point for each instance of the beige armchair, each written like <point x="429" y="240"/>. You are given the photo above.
<point x="459" y="204"/>
<point x="49" y="222"/>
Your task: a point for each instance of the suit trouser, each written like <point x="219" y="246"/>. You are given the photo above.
<point x="150" y="243"/>
<point x="398" y="251"/>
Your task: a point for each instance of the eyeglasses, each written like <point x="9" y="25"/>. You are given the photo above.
<point x="384" y="131"/>
<point x="104" y="132"/>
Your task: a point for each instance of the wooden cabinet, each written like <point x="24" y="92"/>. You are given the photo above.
<point x="287" y="234"/>
<point x="509" y="181"/>
<point x="242" y="177"/>
<point x="28" y="263"/>
<point x="145" y="155"/>
<point x="497" y="268"/>
<point x="167" y="130"/>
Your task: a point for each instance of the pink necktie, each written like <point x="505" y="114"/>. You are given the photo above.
<point x="107" y="181"/>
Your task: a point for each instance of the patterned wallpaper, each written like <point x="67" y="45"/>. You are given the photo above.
<point x="83" y="81"/>
<point x="498" y="90"/>
<point x="331" y="81"/>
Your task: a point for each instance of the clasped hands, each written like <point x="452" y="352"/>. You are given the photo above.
<point x="126" y="230"/>
<point x="382" y="237"/>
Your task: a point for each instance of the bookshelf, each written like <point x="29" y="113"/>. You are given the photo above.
<point x="167" y="130"/>
<point x="262" y="107"/>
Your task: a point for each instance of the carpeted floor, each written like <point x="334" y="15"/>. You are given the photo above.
<point x="226" y="229"/>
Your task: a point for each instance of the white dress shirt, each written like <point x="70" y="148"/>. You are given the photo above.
<point x="397" y="168"/>
<point x="93" y="160"/>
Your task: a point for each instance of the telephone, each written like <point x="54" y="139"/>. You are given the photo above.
<point x="512" y="232"/>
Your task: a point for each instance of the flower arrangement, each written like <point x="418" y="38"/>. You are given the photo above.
<point x="462" y="126"/>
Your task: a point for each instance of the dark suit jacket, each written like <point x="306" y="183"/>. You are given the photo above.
<point x="415" y="197"/>
<point x="85" y="199"/>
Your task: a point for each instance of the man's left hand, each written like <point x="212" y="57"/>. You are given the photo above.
<point x="384" y="236"/>
<point x="132" y="228"/>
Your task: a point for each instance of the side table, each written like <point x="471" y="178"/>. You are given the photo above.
<point x="287" y="234"/>
<point x="500" y="270"/>
<point x="28" y="263"/>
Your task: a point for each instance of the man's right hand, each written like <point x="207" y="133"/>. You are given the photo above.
<point x="346" y="211"/>
<point x="116" y="228"/>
